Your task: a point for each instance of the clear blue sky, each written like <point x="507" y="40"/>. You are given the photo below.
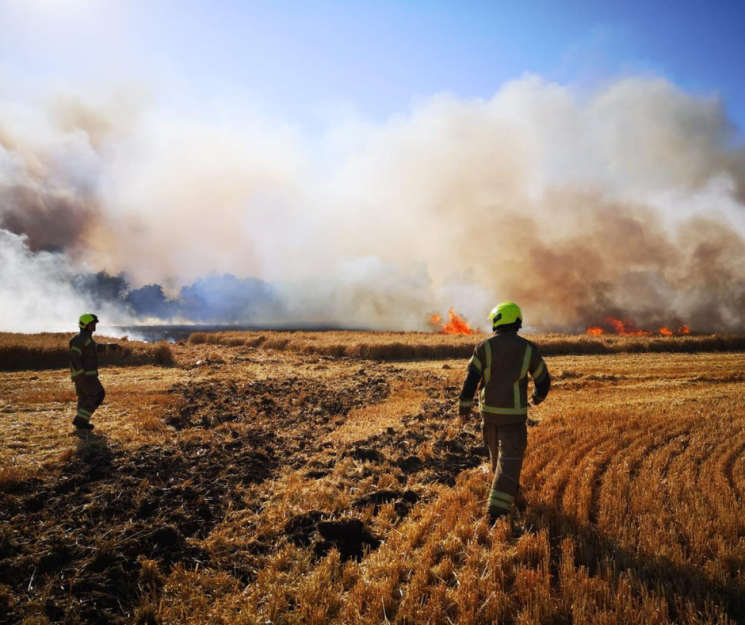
<point x="296" y="58"/>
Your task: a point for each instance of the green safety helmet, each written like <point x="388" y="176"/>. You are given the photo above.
<point x="86" y="319"/>
<point x="505" y="314"/>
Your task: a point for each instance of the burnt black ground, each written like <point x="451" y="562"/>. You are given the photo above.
<point x="82" y="533"/>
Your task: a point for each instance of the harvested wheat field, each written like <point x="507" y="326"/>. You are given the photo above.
<point x="282" y="478"/>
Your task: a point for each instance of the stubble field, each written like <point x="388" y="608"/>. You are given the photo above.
<point x="260" y="478"/>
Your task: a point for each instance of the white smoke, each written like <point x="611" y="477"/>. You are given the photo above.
<point x="37" y="292"/>
<point x="628" y="201"/>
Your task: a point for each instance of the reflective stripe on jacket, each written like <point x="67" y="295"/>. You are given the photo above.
<point x="503" y="362"/>
<point x="84" y="354"/>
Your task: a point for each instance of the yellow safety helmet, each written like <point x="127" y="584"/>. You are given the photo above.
<point x="86" y="319"/>
<point x="505" y="314"/>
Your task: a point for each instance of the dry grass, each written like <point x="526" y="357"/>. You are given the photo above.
<point x="366" y="421"/>
<point x="19" y="352"/>
<point x="207" y="498"/>
<point x="389" y="346"/>
<point x="11" y="476"/>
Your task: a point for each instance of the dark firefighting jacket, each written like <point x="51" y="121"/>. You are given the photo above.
<point x="84" y="354"/>
<point x="501" y="365"/>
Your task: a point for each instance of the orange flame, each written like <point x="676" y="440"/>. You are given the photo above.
<point x="455" y="325"/>
<point x="626" y="328"/>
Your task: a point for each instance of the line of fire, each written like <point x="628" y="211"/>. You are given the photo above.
<point x="456" y="324"/>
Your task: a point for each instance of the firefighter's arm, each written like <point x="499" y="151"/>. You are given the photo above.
<point x="470" y="384"/>
<point x="541" y="378"/>
<point x="76" y="362"/>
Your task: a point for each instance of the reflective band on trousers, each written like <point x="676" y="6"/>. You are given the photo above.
<point x="500" y="504"/>
<point x="499" y="499"/>
<point x="74" y="372"/>
<point x="84" y="412"/>
<point x="91" y="373"/>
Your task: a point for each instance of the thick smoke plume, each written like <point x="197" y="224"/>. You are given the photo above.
<point x="628" y="202"/>
<point x="41" y="291"/>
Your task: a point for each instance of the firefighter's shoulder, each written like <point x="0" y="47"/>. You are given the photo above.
<point x="480" y="344"/>
<point x="528" y="342"/>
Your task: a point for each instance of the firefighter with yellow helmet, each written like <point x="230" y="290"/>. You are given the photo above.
<point x="84" y="370"/>
<point x="500" y="365"/>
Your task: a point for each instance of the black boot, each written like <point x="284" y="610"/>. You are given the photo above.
<point x="494" y="514"/>
<point x="520" y="503"/>
<point x="82" y="424"/>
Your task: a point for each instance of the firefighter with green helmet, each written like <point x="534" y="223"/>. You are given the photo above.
<point x="84" y="370"/>
<point x="499" y="367"/>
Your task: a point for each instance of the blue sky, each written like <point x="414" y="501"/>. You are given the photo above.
<point x="301" y="60"/>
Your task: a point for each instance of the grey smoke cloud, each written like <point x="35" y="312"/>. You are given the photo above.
<point x="46" y="190"/>
<point x="628" y="201"/>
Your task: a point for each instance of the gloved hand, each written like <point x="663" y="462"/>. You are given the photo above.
<point x="464" y="415"/>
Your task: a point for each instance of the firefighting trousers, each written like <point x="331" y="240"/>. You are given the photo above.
<point x="90" y="396"/>
<point x="507" y="445"/>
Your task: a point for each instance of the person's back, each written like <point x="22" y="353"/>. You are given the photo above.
<point x="500" y="365"/>
<point x="506" y="359"/>
<point x="84" y="370"/>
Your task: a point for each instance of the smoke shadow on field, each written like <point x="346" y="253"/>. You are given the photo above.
<point x="596" y="552"/>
